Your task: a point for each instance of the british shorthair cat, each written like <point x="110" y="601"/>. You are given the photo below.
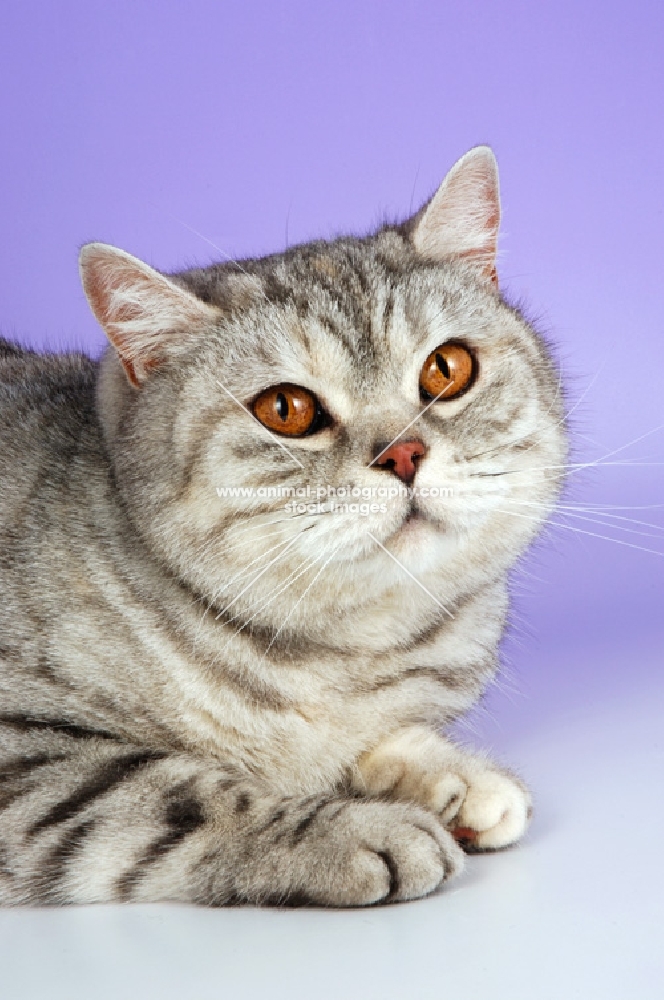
<point x="254" y="565"/>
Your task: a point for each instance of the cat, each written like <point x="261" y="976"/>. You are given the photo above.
<point x="220" y="698"/>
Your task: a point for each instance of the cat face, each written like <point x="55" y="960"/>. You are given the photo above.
<point x="396" y="428"/>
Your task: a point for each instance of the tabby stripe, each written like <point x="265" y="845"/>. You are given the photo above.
<point x="446" y="678"/>
<point x="305" y="823"/>
<point x="388" y="308"/>
<point x="243" y="802"/>
<point x="107" y="777"/>
<point x="301" y="828"/>
<point x="10" y="789"/>
<point x="26" y="724"/>
<point x="276" y="817"/>
<point x="184" y="815"/>
<point x="9" y="795"/>
<point x="157" y="850"/>
<point x="4" y="862"/>
<point x="57" y="860"/>
<point x="24" y="765"/>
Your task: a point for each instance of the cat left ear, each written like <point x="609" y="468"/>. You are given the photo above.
<point x="145" y="315"/>
<point x="461" y="220"/>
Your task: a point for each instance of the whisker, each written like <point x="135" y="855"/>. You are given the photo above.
<point x="283" y="544"/>
<point x="408" y="573"/>
<point x="219" y="590"/>
<point x="597" y="520"/>
<point x="300" y="599"/>
<point x="596" y="509"/>
<point x="570" y="467"/>
<point x="581" y="398"/>
<point x="290" y="580"/>
<point x="629" y="444"/>
<point x="583" y="531"/>
<point x="514" y="441"/>
<point x="262" y="573"/>
<point x="231" y="260"/>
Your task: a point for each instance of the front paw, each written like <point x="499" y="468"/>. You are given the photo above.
<point x="494" y="813"/>
<point x="484" y="807"/>
<point x="361" y="852"/>
<point x="392" y="852"/>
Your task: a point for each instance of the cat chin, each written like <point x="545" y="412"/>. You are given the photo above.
<point x="421" y="543"/>
<point x="413" y="526"/>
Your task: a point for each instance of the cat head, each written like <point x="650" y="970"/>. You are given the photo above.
<point x="395" y="425"/>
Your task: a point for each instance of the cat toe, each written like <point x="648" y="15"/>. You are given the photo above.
<point x="447" y="797"/>
<point x="391" y="852"/>
<point x="495" y="813"/>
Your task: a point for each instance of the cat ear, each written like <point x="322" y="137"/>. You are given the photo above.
<point x="461" y="220"/>
<point x="146" y="316"/>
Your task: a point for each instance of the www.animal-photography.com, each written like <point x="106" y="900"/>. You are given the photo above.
<point x="331" y="500"/>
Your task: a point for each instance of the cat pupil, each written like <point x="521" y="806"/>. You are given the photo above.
<point x="443" y="365"/>
<point x="282" y="406"/>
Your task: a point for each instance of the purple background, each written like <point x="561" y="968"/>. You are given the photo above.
<point x="257" y="123"/>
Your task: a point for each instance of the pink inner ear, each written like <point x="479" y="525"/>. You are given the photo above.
<point x="145" y="315"/>
<point x="461" y="221"/>
<point x="102" y="285"/>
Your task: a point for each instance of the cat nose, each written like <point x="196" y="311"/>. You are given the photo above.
<point x="400" y="458"/>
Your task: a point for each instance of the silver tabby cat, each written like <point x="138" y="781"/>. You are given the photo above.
<point x="220" y="698"/>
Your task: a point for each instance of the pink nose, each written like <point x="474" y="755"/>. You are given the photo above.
<point x="400" y="459"/>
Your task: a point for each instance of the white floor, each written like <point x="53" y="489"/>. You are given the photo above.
<point x="576" y="911"/>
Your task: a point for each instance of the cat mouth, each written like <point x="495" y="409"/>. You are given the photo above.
<point x="413" y="518"/>
<point x="416" y="518"/>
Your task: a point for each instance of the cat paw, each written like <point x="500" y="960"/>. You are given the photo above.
<point x="483" y="806"/>
<point x="494" y="813"/>
<point x="379" y="852"/>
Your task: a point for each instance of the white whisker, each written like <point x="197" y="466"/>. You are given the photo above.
<point x="583" y="531"/>
<point x="408" y="573"/>
<point x="300" y="599"/>
<point x="597" y="520"/>
<point x="257" y="577"/>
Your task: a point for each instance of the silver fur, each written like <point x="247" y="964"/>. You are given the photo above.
<point x="187" y="710"/>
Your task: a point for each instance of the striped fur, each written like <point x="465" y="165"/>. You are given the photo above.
<point x="187" y="712"/>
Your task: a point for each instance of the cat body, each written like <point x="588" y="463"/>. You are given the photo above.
<point x="217" y="699"/>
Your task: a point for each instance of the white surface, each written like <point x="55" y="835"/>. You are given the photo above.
<point x="576" y="911"/>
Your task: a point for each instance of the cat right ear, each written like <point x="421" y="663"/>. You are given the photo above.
<point x="145" y="315"/>
<point x="461" y="220"/>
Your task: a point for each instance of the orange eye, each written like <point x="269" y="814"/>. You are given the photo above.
<point x="449" y="370"/>
<point x="286" y="409"/>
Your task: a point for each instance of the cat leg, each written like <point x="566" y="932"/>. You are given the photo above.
<point x="87" y="820"/>
<point x="483" y="804"/>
